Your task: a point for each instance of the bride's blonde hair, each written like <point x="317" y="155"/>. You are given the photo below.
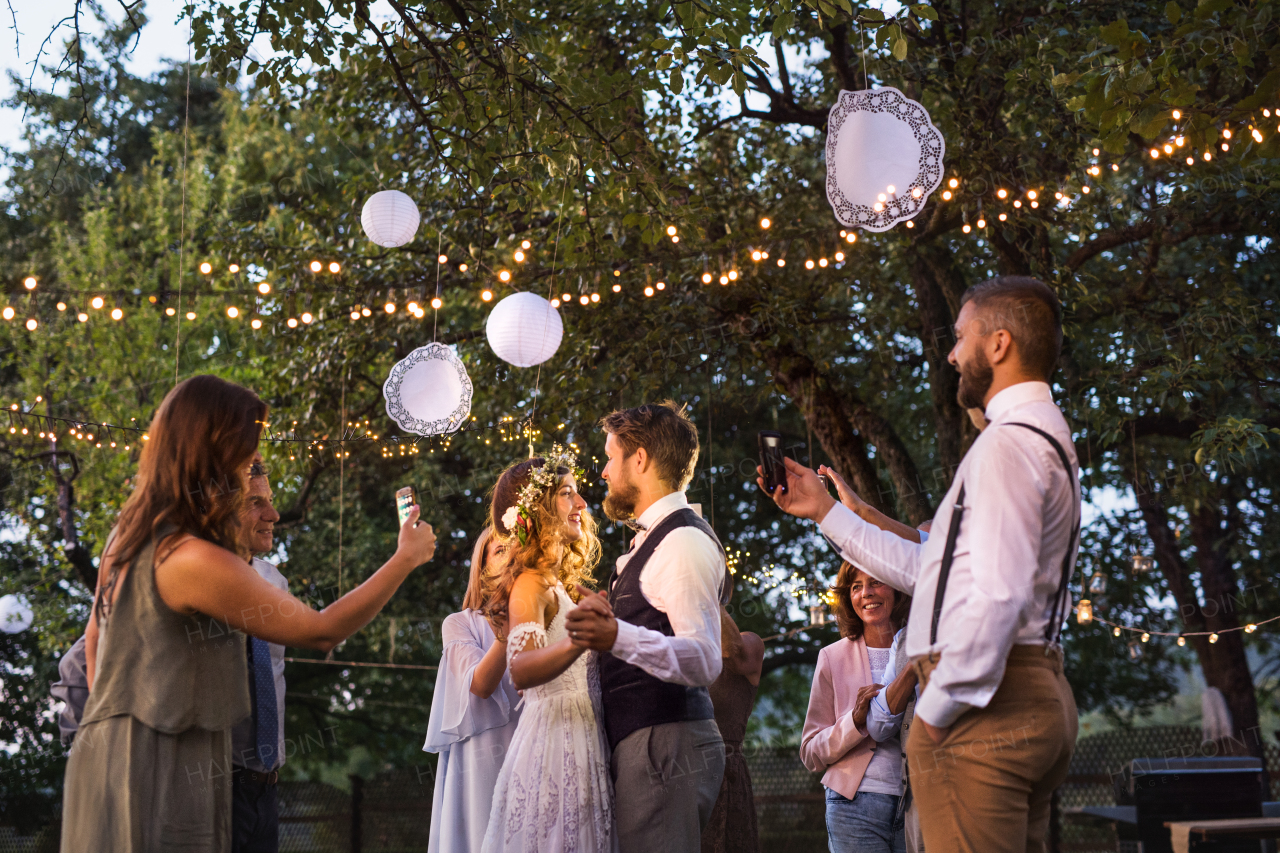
<point x="545" y="551"/>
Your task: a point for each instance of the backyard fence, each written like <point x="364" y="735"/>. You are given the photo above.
<point x="391" y="812"/>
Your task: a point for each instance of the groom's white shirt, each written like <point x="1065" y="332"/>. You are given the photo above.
<point x="682" y="579"/>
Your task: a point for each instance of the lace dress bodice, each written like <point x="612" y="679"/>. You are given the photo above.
<point x="574" y="680"/>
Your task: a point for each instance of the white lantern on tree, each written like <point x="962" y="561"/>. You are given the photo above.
<point x="390" y="218"/>
<point x="524" y="329"/>
<point x="15" y="614"/>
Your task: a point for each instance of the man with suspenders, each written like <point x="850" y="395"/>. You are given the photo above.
<point x="997" y="718"/>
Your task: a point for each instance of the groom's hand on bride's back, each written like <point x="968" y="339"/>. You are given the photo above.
<point x="591" y="624"/>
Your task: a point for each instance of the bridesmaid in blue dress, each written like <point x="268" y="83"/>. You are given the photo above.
<point x="473" y="711"/>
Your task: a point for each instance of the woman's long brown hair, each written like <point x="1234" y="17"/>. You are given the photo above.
<point x="192" y="473"/>
<point x="544" y="552"/>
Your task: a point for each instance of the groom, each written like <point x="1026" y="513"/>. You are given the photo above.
<point x="658" y="635"/>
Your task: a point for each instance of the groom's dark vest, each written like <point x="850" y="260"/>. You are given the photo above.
<point x="634" y="699"/>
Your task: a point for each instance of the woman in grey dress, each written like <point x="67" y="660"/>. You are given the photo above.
<point x="150" y="769"/>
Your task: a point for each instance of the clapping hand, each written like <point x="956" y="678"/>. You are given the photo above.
<point x="863" y="705"/>
<point x="805" y="497"/>
<point x="591" y="624"/>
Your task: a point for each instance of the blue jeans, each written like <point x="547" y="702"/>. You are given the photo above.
<point x="869" y="823"/>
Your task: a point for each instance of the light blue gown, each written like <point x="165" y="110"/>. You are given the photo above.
<point x="470" y="734"/>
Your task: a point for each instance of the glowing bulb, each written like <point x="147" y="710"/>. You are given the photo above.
<point x="662" y="285"/>
<point x="555" y="303"/>
<point x="965" y="228"/>
<point x="1213" y="638"/>
<point x="1180" y="141"/>
<point x="292" y="323"/>
<point x="168" y="312"/>
<point x="390" y="308"/>
<point x="782" y="262"/>
<point x="1250" y="628"/>
<point x="462" y="268"/>
<point x="436" y="302"/>
<point x="1096" y="152"/>
<point x="910" y="224"/>
<point x="232" y="312"/>
<point x="82" y="317"/>
<point x="316" y="266"/>
<point x="671" y="231"/>
<point x="1017" y="203"/>
<point x="234" y="268"/>
<point x="946" y="195"/>
<point x="1224" y="146"/>
<point x="851" y="237"/>
<point x="96" y="302"/>
<point x="892" y="189"/>
<point x="765" y="222"/>
<point x="675" y="239"/>
<point x="504" y="275"/>
<point x="525" y="244"/>
<point x="724" y="279"/>
<point x="808" y="264"/>
<point x="1257" y="135"/>
<point x="1177" y="114"/>
<point x="916" y="192"/>
<point x="1115" y="167"/>
<point x="191" y="315"/>
<point x="1145" y="637"/>
<point x="31" y="327"/>
<point x="584" y="299"/>
<point x="62" y="306"/>
<point x="1002" y="193"/>
<point x="1208" y="156"/>
<point x="877" y="207"/>
<point x="1190" y="160"/>
<point x="839" y="257"/>
<point x="29" y="282"/>
<point x="306" y="317"/>
<point x="1226" y="134"/>
<point x="519" y="256"/>
<point x="953" y="183"/>
<point x="617" y="288"/>
<point x="882" y="197"/>
<point x="355" y="315"/>
<point x="733" y="276"/>
<point x="1004" y="217"/>
<point x="335" y="267"/>
<point x="755" y="256"/>
<point x="1115" y="632"/>
<point x="595" y="297"/>
<point x="706" y="278"/>
<point x="982" y="223"/>
<point x="566" y="297"/>
<point x="1168" y="149"/>
<point x="255" y="323"/>
<point x="822" y="262"/>
<point x="1031" y="194"/>
<point x="264" y="288"/>
<point x="1084" y="190"/>
<point x="1182" y="641"/>
<point x="648" y="291"/>
<point x="206" y="268"/>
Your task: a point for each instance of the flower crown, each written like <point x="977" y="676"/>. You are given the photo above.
<point x="519" y="518"/>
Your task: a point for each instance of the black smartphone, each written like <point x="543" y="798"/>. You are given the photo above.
<point x="405" y="499"/>
<point x="775" y="472"/>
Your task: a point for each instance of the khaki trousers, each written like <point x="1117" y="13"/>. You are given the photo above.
<point x="986" y="787"/>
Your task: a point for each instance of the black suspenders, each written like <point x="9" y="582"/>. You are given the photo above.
<point x="1061" y="600"/>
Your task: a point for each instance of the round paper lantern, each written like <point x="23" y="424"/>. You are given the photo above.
<point x="429" y="392"/>
<point x="884" y="158"/>
<point x="15" y="614"/>
<point x="390" y="218"/>
<point x="524" y="329"/>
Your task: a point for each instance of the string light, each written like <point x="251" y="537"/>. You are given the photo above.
<point x="519" y="256"/>
<point x="169" y="312"/>
<point x="671" y="231"/>
<point x="486" y="295"/>
<point x="953" y="183"/>
<point x="191" y="315"/>
<point x="62" y="306"/>
<point x="255" y="323"/>
<point x="765" y="223"/>
<point x="436" y="303"/>
<point x="851" y="237"/>
<point x="504" y="275"/>
<point x="206" y="268"/>
<point x="7" y="313"/>
<point x="316" y="266"/>
<point x="706" y="278"/>
<point x="31" y="325"/>
<point x="29" y="282"/>
<point x="335" y="267"/>
<point x="96" y="302"/>
<point x="232" y="312"/>
<point x="390" y="308"/>
<point x="595" y="297"/>
<point x="946" y="195"/>
<point x="292" y="323"/>
<point x="1002" y="193"/>
<point x="234" y="268"/>
<point x="82" y="317"/>
<point x="306" y="317"/>
<point x="648" y="291"/>
<point x="525" y="244"/>
<point x="462" y="268"/>
<point x="662" y="285"/>
<point x="617" y="288"/>
<point x="839" y="257"/>
<point x="264" y="288"/>
<point x="808" y="264"/>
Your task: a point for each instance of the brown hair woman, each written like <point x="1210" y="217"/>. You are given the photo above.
<point x="863" y="778"/>
<point x="150" y="769"/>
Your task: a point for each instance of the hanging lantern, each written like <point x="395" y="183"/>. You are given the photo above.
<point x="1135" y="650"/>
<point x="1084" y="611"/>
<point x="390" y="218"/>
<point x="429" y="392"/>
<point x="1142" y="564"/>
<point x="884" y="158"/>
<point x="524" y="329"/>
<point x="15" y="614"/>
<point x="817" y="614"/>
<point x="1098" y="583"/>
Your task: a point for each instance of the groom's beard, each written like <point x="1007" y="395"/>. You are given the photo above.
<point x="975" y="382"/>
<point x="620" y="502"/>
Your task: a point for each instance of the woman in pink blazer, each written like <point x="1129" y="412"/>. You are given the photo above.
<point x="863" y="778"/>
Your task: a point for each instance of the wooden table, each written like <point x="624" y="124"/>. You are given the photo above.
<point x="1182" y="833"/>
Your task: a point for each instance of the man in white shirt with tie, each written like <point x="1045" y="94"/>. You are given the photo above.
<point x="990" y="585"/>
<point x="663" y="648"/>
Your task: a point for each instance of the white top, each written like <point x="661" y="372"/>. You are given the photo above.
<point x="882" y="725"/>
<point x="682" y="578"/>
<point x="884" y="773"/>
<point x="1020" y="506"/>
<point x="243" y="751"/>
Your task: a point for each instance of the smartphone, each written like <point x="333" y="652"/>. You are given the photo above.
<point x="405" y="499"/>
<point x="775" y="472"/>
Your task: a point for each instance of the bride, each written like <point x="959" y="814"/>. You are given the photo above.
<point x="553" y="792"/>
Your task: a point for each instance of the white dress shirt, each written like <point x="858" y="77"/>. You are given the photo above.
<point x="243" y="750"/>
<point x="682" y="578"/>
<point x="1020" y="507"/>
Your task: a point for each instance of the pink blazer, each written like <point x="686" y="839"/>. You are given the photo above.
<point x="831" y="743"/>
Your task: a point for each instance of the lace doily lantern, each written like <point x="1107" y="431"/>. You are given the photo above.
<point x="390" y="218"/>
<point x="524" y="329"/>
<point x="429" y="392"/>
<point x="884" y="158"/>
<point x="15" y="614"/>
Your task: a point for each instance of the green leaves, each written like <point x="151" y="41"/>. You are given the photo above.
<point x="783" y="24"/>
<point x="1116" y="33"/>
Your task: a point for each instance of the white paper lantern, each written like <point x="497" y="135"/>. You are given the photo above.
<point x="15" y="614"/>
<point x="390" y="218"/>
<point x="884" y="158"/>
<point x="429" y="392"/>
<point x="524" y="329"/>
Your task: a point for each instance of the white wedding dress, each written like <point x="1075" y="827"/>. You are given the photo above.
<point x="554" y="793"/>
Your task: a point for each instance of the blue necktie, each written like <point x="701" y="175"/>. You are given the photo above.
<point x="266" y="722"/>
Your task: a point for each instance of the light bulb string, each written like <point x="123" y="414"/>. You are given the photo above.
<point x="1253" y="625"/>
